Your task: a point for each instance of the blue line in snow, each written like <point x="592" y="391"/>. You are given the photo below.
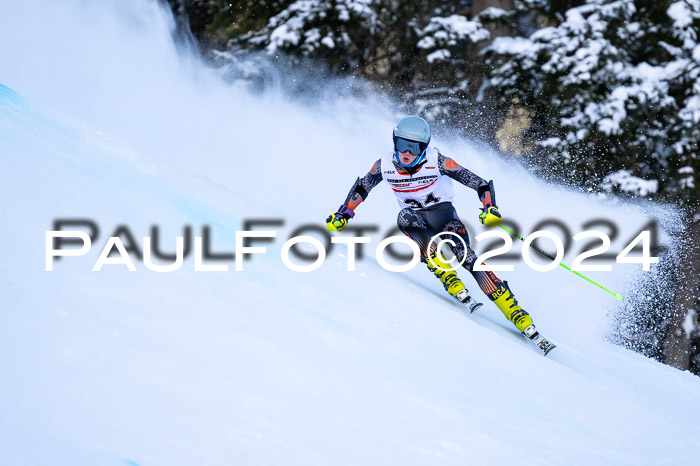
<point x="9" y="94"/>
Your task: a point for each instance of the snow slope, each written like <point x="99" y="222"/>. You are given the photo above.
<point x="102" y="116"/>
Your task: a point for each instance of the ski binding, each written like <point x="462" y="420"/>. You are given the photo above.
<point x="540" y="342"/>
<point x="464" y="298"/>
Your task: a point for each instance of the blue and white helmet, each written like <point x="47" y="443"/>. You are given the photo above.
<point x="411" y="133"/>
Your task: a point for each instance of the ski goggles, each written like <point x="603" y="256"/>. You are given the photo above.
<point x="414" y="147"/>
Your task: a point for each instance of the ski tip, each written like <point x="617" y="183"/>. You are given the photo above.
<point x="617" y="295"/>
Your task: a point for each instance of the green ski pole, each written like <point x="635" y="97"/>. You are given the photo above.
<point x="618" y="296"/>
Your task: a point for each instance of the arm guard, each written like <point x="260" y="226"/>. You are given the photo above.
<point x="360" y="190"/>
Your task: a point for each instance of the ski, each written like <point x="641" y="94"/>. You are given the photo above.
<point x="464" y="298"/>
<point x="537" y="339"/>
<point x="531" y="333"/>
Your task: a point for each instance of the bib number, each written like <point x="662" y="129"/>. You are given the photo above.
<point x="416" y="204"/>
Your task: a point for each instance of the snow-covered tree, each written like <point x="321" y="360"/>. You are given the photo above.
<point x="608" y="89"/>
<point x="451" y="67"/>
<point x="447" y="48"/>
<point x="340" y="33"/>
<point x="445" y="35"/>
<point x="409" y="43"/>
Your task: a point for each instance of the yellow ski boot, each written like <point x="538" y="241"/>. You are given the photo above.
<point x="453" y="285"/>
<point x="504" y="299"/>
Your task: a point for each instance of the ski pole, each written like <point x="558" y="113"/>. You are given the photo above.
<point x="618" y="296"/>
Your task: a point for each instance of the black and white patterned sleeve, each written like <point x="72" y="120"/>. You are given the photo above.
<point x="449" y="167"/>
<point x="364" y="185"/>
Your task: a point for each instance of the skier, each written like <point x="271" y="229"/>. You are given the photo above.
<point x="421" y="178"/>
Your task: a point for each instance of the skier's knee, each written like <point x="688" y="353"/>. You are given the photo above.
<point x="457" y="227"/>
<point x="405" y="212"/>
<point x="405" y="219"/>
